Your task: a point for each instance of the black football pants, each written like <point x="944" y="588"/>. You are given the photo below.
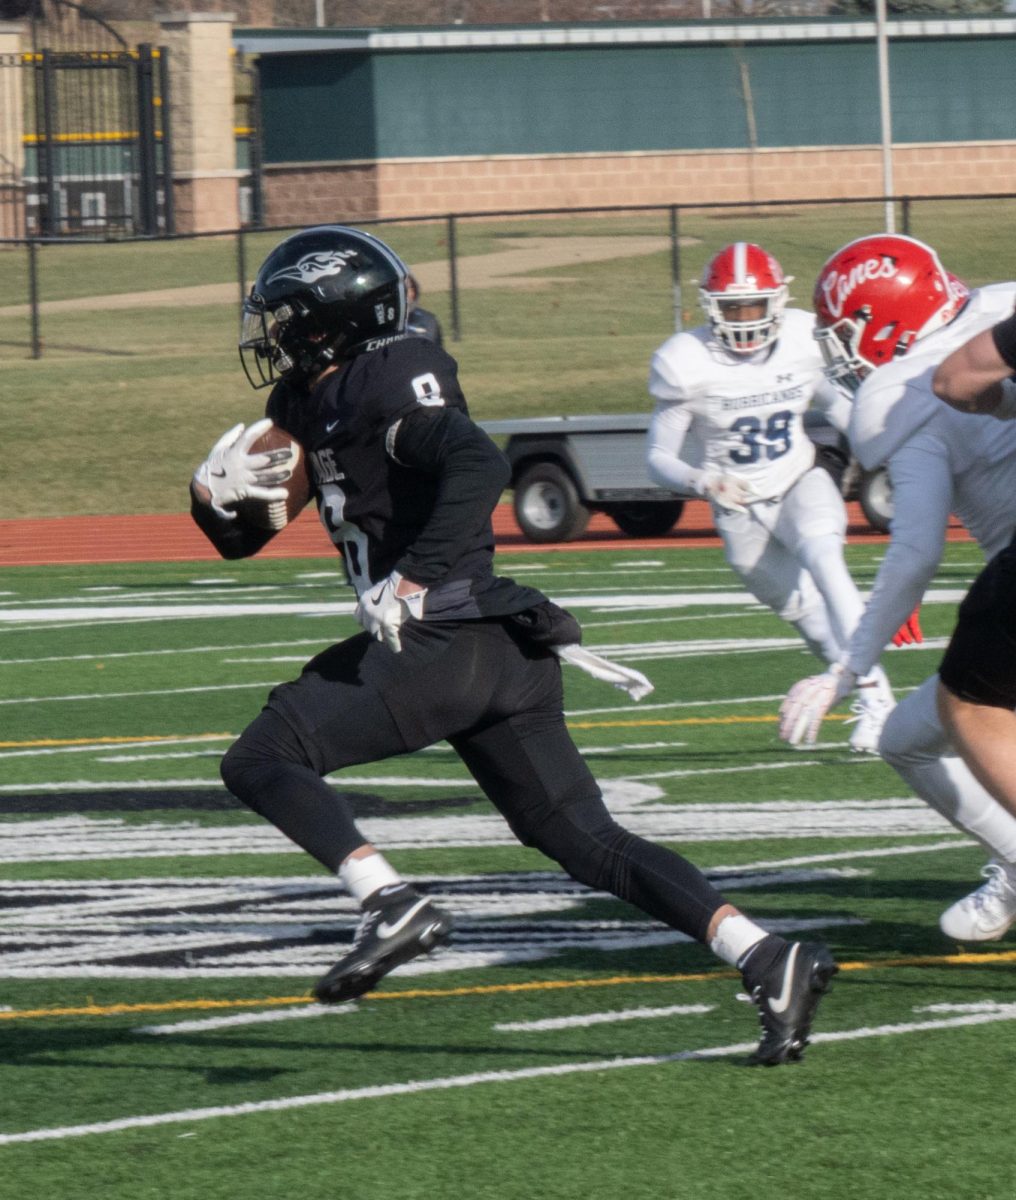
<point x="497" y="699"/>
<point x="979" y="664"/>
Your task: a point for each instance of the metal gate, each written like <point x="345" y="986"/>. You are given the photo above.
<point x="96" y="146"/>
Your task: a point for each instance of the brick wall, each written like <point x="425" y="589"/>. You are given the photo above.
<point x="309" y="193"/>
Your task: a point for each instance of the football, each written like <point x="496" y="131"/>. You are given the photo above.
<point x="276" y="514"/>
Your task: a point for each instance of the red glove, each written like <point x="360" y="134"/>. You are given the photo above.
<point x="909" y="633"/>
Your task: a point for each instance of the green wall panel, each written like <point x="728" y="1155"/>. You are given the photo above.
<point x="954" y="91"/>
<point x="482" y="102"/>
<point x="317" y="106"/>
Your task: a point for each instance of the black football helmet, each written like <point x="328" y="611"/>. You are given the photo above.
<point x="322" y="295"/>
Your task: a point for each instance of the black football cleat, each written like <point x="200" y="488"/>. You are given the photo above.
<point x="787" y="995"/>
<point x="391" y="933"/>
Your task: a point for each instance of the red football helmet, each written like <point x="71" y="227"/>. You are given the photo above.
<point x="877" y="296"/>
<point x="744" y="273"/>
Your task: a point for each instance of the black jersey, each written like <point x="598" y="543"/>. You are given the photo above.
<point x="403" y="479"/>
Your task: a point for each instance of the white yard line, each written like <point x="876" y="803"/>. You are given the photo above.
<point x="602" y="1018"/>
<point x="202" y="1025"/>
<point x="447" y="1082"/>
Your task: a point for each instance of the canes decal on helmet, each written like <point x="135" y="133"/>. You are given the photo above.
<point x="877" y="296"/>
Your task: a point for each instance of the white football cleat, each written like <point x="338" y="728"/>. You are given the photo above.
<point x="984" y="915"/>
<point x="870" y="709"/>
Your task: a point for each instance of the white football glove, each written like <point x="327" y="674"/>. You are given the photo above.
<point x="808" y="701"/>
<point x="231" y="473"/>
<point x="728" y="492"/>
<point x="382" y="608"/>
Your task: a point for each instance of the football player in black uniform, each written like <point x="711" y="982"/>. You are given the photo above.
<point x="405" y="484"/>
<point x="420" y="321"/>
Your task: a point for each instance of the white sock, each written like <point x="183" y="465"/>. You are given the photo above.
<point x="735" y="936"/>
<point x="361" y="877"/>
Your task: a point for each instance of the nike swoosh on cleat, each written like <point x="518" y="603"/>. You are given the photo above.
<point x="219" y="474"/>
<point x="385" y="930"/>
<point x="779" y="1004"/>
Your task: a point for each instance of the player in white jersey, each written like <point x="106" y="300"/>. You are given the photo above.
<point x="730" y="398"/>
<point x="878" y="298"/>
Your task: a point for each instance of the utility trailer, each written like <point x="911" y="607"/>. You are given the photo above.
<point x="565" y="468"/>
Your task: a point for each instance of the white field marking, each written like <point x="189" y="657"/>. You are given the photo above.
<point x="202" y="1025"/>
<point x="69" y="617"/>
<point x="176" y="612"/>
<point x="211" y="687"/>
<point x="133" y="758"/>
<point x="81" y="957"/>
<point x="101" y="623"/>
<point x="18" y="662"/>
<point x="119" y="785"/>
<point x="660" y="706"/>
<point x="168" y="594"/>
<point x="275" y="658"/>
<point x="73" y="840"/>
<point x="444" y="1083"/>
<point x="728" y="647"/>
<point x="126" y="757"/>
<point x="845" y="855"/>
<point x="603" y="1018"/>
<point x="634" y="603"/>
<point x="95" y="747"/>
<point x="645" y="651"/>
<point x="415" y="781"/>
<point x="606" y="602"/>
<point x="724" y="614"/>
<point x="991" y="1006"/>
<point x="588" y="750"/>
<point x="750" y="768"/>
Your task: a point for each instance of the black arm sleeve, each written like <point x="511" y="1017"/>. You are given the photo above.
<point x="1004" y="337"/>
<point x="232" y="539"/>
<point x="472" y="473"/>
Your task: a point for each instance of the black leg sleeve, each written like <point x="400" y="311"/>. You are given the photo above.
<point x="266" y="769"/>
<point x="532" y="772"/>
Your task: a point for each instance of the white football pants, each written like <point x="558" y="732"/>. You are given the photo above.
<point x="789" y="553"/>
<point x="915" y="745"/>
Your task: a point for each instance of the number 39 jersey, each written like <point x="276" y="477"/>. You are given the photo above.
<point x="745" y="411"/>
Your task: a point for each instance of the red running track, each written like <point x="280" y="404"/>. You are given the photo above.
<point x="175" y="538"/>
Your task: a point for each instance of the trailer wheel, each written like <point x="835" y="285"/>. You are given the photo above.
<point x="875" y="496"/>
<point x="547" y="504"/>
<point x="646" y="518"/>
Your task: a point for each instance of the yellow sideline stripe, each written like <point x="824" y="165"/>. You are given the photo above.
<point x="104" y="741"/>
<point x="536" y="985"/>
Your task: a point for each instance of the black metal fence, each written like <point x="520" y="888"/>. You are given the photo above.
<point x="966" y="229"/>
<point x="85" y="143"/>
<point x="97" y="152"/>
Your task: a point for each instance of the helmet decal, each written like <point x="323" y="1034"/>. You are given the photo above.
<point x="323" y="295"/>
<point x="877" y="296"/>
<point x="313" y="267"/>
<point x="837" y="288"/>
